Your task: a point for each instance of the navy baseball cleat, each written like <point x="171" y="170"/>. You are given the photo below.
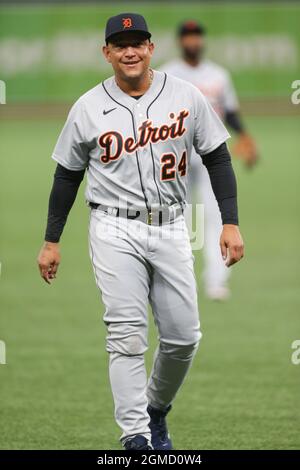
<point x="160" y="437"/>
<point x="137" y="442"/>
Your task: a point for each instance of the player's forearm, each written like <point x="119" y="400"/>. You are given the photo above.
<point x="62" y="197"/>
<point x="223" y="181"/>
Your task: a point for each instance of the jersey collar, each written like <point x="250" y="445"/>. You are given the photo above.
<point x="153" y="91"/>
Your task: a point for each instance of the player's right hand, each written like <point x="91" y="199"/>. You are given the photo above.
<point x="48" y="261"/>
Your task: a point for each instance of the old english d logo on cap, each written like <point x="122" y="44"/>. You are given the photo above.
<point x="127" y="23"/>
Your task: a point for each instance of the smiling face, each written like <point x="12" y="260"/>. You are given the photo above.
<point x="129" y="54"/>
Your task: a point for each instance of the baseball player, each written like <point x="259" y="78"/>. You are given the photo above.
<point x="216" y="84"/>
<point x="133" y="135"/>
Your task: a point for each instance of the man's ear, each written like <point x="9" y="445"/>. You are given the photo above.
<point x="106" y="53"/>
<point x="151" y="48"/>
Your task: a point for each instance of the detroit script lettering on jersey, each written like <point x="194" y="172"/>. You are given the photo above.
<point x="114" y="143"/>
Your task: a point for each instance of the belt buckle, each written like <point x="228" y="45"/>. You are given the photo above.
<point x="149" y="218"/>
<point x="159" y="216"/>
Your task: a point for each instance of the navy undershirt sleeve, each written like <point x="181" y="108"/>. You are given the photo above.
<point x="62" y="197"/>
<point x="223" y="181"/>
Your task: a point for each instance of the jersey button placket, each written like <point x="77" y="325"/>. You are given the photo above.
<point x="141" y="116"/>
<point x="140" y="113"/>
<point x="138" y="121"/>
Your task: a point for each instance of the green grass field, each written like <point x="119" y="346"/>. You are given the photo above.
<point x="243" y="390"/>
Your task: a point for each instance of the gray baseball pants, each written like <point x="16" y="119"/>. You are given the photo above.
<point x="134" y="264"/>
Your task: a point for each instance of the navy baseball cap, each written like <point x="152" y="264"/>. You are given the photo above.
<point x="191" y="27"/>
<point x="126" y="22"/>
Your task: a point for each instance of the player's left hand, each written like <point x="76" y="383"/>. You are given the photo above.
<point x="232" y="245"/>
<point x="246" y="150"/>
<point x="48" y="261"/>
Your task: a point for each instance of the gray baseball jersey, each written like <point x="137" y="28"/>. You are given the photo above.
<point x="137" y="152"/>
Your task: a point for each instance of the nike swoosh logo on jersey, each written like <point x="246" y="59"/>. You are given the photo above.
<point x="108" y="111"/>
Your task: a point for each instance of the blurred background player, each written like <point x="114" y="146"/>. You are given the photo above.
<point x="216" y="84"/>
